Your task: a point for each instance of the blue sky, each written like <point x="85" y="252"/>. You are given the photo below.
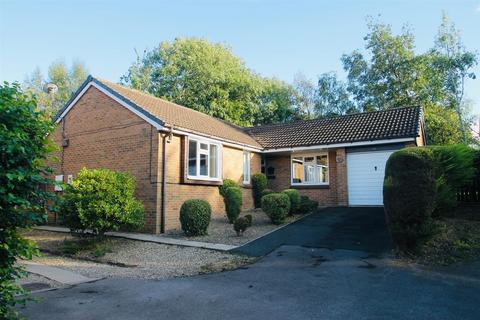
<point x="274" y="38"/>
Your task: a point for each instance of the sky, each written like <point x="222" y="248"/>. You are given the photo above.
<point x="275" y="38"/>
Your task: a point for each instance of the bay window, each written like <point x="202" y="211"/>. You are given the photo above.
<point x="203" y="160"/>
<point x="310" y="169"/>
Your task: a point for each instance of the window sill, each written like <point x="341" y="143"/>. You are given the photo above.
<point x="310" y="186"/>
<point x="206" y="182"/>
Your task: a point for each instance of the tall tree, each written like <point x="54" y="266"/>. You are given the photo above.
<point x="305" y="96"/>
<point x="390" y="74"/>
<point x="332" y="97"/>
<point x="56" y="89"/>
<point x="455" y="64"/>
<point x="209" y="78"/>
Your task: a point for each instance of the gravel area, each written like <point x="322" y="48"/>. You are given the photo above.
<point x="135" y="259"/>
<point x="220" y="231"/>
<point x="34" y="282"/>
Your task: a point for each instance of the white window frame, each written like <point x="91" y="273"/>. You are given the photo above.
<point x="208" y="142"/>
<point x="247" y="167"/>
<point x="306" y="155"/>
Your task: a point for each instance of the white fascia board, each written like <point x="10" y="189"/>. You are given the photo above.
<point x="338" y="145"/>
<point x="109" y="94"/>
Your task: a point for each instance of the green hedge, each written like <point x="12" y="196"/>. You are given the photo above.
<point x="259" y="184"/>
<point x="409" y="197"/>
<point x="276" y="206"/>
<point x="233" y="203"/>
<point x="101" y="200"/>
<point x="454" y="168"/>
<point x="195" y="215"/>
<point x="295" y="200"/>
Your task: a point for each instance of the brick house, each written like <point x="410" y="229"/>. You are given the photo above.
<point x="176" y="153"/>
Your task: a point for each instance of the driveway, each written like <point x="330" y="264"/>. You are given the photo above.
<point x="324" y="273"/>
<point x="360" y="228"/>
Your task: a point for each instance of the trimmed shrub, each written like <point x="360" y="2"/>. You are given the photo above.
<point x="454" y="168"/>
<point x="249" y="218"/>
<point x="242" y="224"/>
<point x="259" y="184"/>
<point x="265" y="192"/>
<point x="233" y="203"/>
<point x="409" y="194"/>
<point x="101" y="200"/>
<point x="227" y="183"/>
<point x="195" y="215"/>
<point x="307" y="205"/>
<point x="295" y="200"/>
<point x="276" y="206"/>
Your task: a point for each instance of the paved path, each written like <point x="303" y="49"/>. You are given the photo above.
<point x="60" y="275"/>
<point x="151" y="238"/>
<point x="361" y="228"/>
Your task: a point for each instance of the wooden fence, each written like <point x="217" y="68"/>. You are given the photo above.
<point x="471" y="193"/>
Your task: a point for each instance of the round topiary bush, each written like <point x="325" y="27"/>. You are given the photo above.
<point x="295" y="200"/>
<point x="259" y="184"/>
<point x="409" y="197"/>
<point x="227" y="183"/>
<point x="276" y="206"/>
<point x="265" y="192"/>
<point x="195" y="215"/>
<point x="241" y="224"/>
<point x="101" y="200"/>
<point x="307" y="205"/>
<point x="233" y="203"/>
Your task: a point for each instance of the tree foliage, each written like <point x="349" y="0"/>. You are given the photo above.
<point x="389" y="74"/>
<point x="67" y="80"/>
<point x="23" y="149"/>
<point x="209" y="78"/>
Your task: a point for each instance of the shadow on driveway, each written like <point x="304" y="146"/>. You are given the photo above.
<point x="348" y="228"/>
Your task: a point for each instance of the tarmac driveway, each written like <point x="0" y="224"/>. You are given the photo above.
<point x="333" y="269"/>
<point x="360" y="228"/>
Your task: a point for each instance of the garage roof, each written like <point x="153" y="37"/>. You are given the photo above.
<point x="359" y="127"/>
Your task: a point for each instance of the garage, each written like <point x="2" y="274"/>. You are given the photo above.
<point x="365" y="173"/>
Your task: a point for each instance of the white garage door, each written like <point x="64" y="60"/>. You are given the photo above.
<point x="365" y="173"/>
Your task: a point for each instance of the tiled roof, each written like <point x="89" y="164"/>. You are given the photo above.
<point x="369" y="126"/>
<point x="182" y="117"/>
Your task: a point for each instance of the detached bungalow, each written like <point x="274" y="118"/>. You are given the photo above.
<point x="177" y="153"/>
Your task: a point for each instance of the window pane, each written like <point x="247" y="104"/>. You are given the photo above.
<point x="322" y="169"/>
<point x="203" y="146"/>
<point x="309" y="172"/>
<point x="203" y="164"/>
<point x="246" y="167"/>
<point x="297" y="168"/>
<point x="213" y="161"/>
<point x="192" y="158"/>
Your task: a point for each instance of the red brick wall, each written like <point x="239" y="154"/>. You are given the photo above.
<point x="334" y="194"/>
<point x="178" y="192"/>
<point x="103" y="134"/>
